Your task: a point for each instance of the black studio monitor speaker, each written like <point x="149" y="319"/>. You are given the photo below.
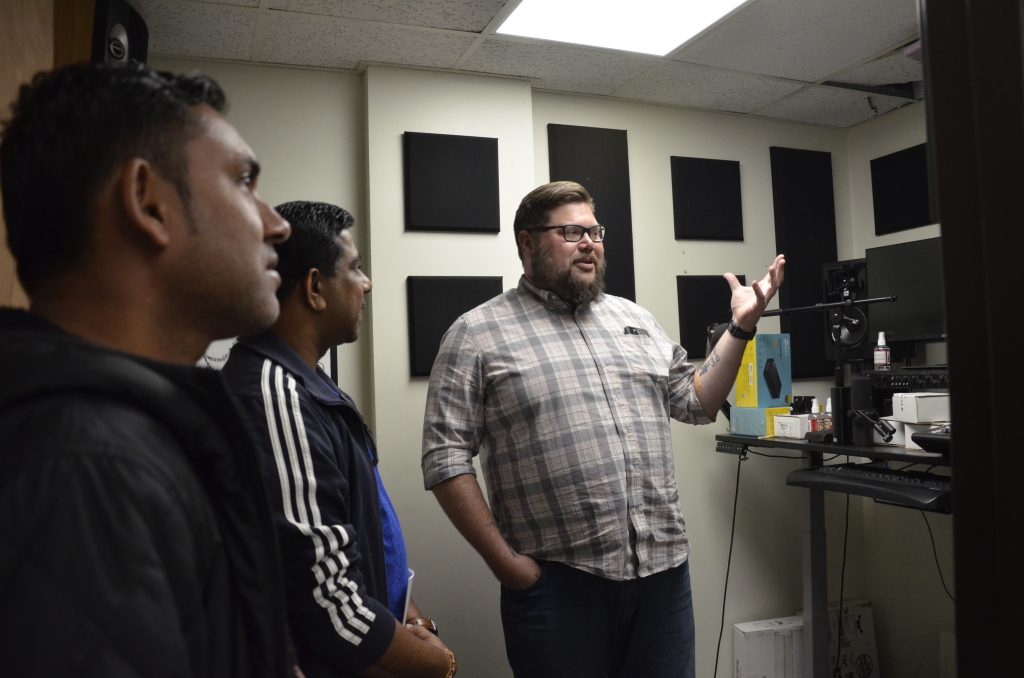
<point x="119" y="35"/>
<point x="846" y="326"/>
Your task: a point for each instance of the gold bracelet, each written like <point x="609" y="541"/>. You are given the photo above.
<point x="451" y="664"/>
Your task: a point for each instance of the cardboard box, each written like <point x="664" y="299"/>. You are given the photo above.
<point x="920" y="408"/>
<point x="754" y="421"/>
<point x="792" y="425"/>
<point x="770" y="648"/>
<point x="858" y="652"/>
<point x="765" y="377"/>
<point x="773" y="648"/>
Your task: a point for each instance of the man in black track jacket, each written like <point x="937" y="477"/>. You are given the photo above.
<point x="344" y="556"/>
<point x="135" y="533"/>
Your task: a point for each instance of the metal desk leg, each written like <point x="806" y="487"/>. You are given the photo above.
<point x="815" y="581"/>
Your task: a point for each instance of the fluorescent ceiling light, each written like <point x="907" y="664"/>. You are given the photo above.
<point x="645" y="26"/>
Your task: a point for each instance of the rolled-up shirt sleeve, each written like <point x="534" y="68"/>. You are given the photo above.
<point x="453" y="420"/>
<point x="683" y="403"/>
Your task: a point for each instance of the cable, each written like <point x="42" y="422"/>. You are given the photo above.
<point x="842" y="584"/>
<point x="935" y="553"/>
<point x="728" y="562"/>
<point x="786" y="456"/>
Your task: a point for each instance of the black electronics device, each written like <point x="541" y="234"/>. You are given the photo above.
<point x="119" y="35"/>
<point x="912" y="271"/>
<point x="884" y="383"/>
<point x="771" y="378"/>
<point x="933" y="441"/>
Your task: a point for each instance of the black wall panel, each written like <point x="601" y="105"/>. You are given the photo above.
<point x="805" y="231"/>
<point x="599" y="159"/>
<point x="899" y="190"/>
<point x="435" y="302"/>
<point x="451" y="183"/>
<point x="703" y="300"/>
<point x="706" y="201"/>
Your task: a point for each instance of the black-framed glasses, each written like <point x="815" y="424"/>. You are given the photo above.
<point x="574" y="232"/>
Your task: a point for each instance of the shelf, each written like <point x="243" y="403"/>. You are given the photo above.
<point x="734" y="443"/>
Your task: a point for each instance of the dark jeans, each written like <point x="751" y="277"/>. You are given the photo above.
<point x="571" y="624"/>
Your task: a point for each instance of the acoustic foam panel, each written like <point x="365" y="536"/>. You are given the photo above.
<point x="899" y="190"/>
<point x="451" y="183"/>
<point x="599" y="159"/>
<point x="805" y="231"/>
<point x="703" y="300"/>
<point x="435" y="302"/>
<point x="706" y="201"/>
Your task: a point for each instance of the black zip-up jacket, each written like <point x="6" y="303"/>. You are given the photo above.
<point x="135" y="534"/>
<point x="318" y="462"/>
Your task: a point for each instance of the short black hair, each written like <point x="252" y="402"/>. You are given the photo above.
<point x="313" y="243"/>
<point x="69" y="131"/>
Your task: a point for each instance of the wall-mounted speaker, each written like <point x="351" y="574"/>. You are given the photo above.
<point x="847" y="327"/>
<point x="119" y="34"/>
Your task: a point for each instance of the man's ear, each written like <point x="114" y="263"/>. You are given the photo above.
<point x="145" y="196"/>
<point x="312" y="290"/>
<point x="525" y="242"/>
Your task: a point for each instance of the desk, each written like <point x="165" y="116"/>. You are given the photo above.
<point x="814" y="556"/>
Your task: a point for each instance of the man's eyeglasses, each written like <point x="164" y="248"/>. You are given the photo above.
<point x="574" y="232"/>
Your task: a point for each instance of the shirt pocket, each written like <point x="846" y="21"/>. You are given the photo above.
<point x="646" y="366"/>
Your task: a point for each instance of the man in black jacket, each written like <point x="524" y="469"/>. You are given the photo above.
<point x="346" y="570"/>
<point x="135" y="537"/>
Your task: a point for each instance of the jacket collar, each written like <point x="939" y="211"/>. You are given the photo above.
<point x="317" y="383"/>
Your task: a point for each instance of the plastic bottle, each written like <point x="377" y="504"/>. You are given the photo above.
<point x="816" y="421"/>
<point x="882" y="356"/>
<point x="828" y="415"/>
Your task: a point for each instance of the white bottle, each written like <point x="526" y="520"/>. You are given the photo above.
<point x="882" y="357"/>
<point x="828" y="415"/>
<point x="816" y="421"/>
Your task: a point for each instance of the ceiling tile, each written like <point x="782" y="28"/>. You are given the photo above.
<point x="556" y="66"/>
<point x="804" y="40"/>
<point x="889" y="70"/>
<point x="457" y="15"/>
<point x="700" y="87"/>
<point x="196" y="29"/>
<point x="304" y="39"/>
<point x="831" y="106"/>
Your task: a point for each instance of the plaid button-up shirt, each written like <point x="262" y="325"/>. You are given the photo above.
<point x="569" y="412"/>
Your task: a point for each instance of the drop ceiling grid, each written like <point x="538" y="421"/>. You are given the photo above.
<point x="831" y="106"/>
<point x="556" y="66"/>
<point x="331" y="42"/>
<point x="457" y="15"/>
<point x="694" y="86"/>
<point x="197" y="29"/>
<point x="803" y="40"/>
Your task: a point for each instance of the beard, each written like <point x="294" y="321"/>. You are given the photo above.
<point x="565" y="283"/>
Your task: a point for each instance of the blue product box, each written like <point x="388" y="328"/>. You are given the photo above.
<point x="754" y="421"/>
<point x="765" y="377"/>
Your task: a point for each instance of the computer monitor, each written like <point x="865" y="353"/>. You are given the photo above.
<point x="913" y="272"/>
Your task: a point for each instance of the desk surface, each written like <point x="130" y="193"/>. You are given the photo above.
<point x="870" y="451"/>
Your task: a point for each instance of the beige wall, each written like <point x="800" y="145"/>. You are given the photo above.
<point x="307" y="129"/>
<point x="26" y="47"/>
<point x="451" y="581"/>
<point x="338" y="137"/>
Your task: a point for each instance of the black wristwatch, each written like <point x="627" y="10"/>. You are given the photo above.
<point x="740" y="333"/>
<point x="425" y="622"/>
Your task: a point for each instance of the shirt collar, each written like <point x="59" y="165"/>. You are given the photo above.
<point x="547" y="298"/>
<point x="552" y="301"/>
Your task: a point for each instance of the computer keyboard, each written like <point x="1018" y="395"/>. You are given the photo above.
<point x="907" y="488"/>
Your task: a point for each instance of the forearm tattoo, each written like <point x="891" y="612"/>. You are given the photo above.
<point x="712" y="361"/>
